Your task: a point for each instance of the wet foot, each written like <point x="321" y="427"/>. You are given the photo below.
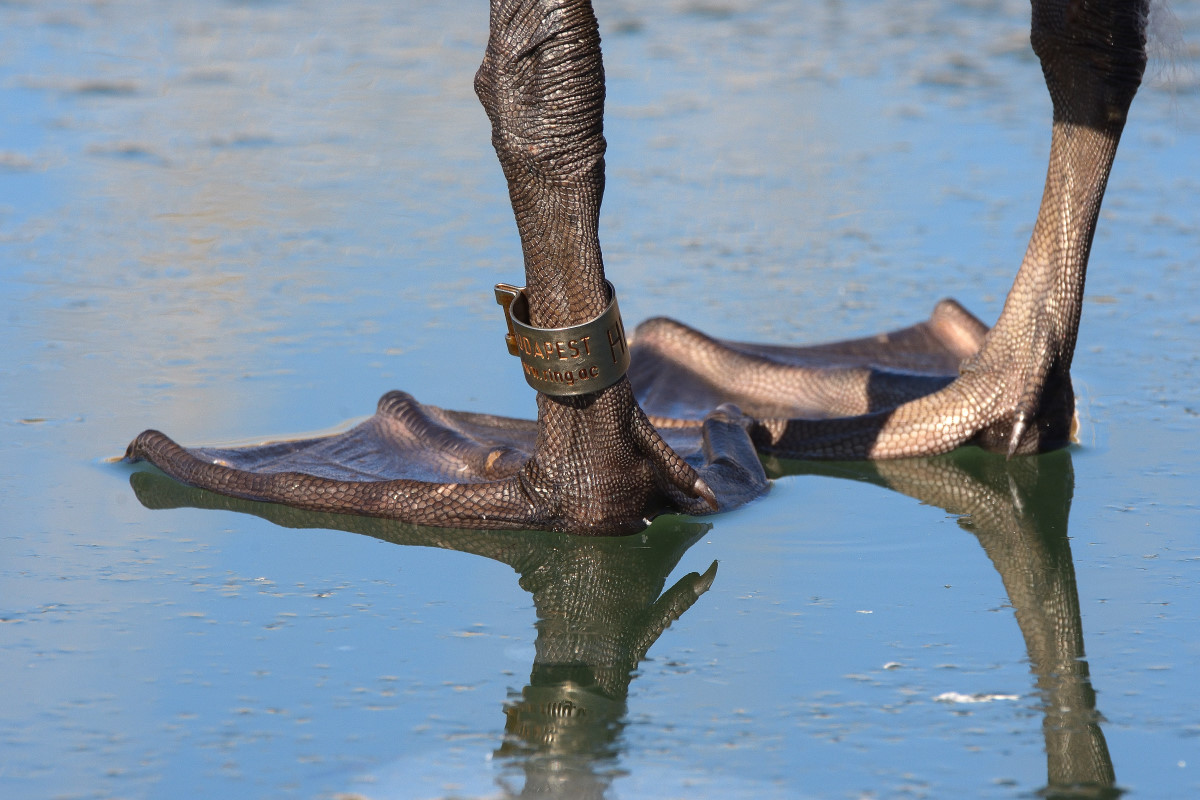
<point x="905" y="394"/>
<point x="593" y="463"/>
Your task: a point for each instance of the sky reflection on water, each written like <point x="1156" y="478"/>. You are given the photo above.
<point x="247" y="219"/>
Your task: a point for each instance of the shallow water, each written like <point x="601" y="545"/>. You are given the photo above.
<point x="235" y="220"/>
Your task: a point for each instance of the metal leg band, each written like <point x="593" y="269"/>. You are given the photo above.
<point x="566" y="361"/>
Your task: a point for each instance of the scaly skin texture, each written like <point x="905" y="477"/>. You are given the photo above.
<point x="598" y="466"/>
<point x="596" y="463"/>
<point x="1014" y="394"/>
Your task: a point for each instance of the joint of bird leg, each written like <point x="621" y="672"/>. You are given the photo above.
<point x="563" y="362"/>
<point x="1093" y="60"/>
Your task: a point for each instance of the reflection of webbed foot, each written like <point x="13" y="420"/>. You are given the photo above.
<point x="600" y="607"/>
<point x="1019" y="511"/>
<point x="428" y="466"/>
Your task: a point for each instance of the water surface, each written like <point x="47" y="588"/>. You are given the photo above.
<point x="239" y="219"/>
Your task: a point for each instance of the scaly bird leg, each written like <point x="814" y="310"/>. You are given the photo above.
<point x="893" y="396"/>
<point x="593" y="463"/>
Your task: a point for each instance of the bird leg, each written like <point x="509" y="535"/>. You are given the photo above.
<point x="593" y="463"/>
<point x="892" y="396"/>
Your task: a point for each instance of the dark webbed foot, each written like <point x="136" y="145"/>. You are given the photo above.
<point x="920" y="390"/>
<point x="679" y="372"/>
<point x="592" y="463"/>
<point x="1014" y="393"/>
<point x="596" y="463"/>
<point x="428" y="466"/>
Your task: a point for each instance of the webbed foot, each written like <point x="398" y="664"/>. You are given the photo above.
<point x="899" y="395"/>
<point x="678" y="372"/>
<point x="593" y="463"/>
<point x="428" y="466"/>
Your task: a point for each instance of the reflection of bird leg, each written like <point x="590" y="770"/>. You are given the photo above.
<point x="1013" y="390"/>
<point x="599" y="612"/>
<point x="600" y="606"/>
<point x="1018" y="510"/>
<point x="596" y="465"/>
<point x="508" y="547"/>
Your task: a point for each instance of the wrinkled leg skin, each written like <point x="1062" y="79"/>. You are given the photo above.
<point x="949" y="381"/>
<point x="597" y="463"/>
<point x="593" y="464"/>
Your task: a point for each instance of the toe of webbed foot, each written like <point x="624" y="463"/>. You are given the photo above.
<point x="722" y="452"/>
<point x="1041" y="418"/>
<point x="429" y="466"/>
<point x="1013" y="396"/>
<point x="681" y="373"/>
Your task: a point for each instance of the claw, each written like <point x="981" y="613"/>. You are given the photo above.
<point x="701" y="490"/>
<point x="1020" y="425"/>
<point x="679" y="473"/>
<point x="705" y="581"/>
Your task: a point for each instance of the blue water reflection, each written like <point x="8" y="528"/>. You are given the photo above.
<point x="600" y="607"/>
<point x="236" y="220"/>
